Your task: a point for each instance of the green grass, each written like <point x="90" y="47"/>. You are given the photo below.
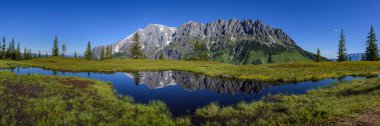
<point x="7" y="64"/>
<point x="49" y="100"/>
<point x="318" y="107"/>
<point x="295" y="71"/>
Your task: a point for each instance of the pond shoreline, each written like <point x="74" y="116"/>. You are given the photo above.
<point x="187" y="85"/>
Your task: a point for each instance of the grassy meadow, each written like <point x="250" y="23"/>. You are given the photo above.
<point x="348" y="103"/>
<point x="287" y="72"/>
<point x="49" y="100"/>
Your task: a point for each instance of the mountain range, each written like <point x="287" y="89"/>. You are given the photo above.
<point x="193" y="82"/>
<point x="230" y="41"/>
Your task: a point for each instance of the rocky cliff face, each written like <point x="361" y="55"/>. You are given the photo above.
<point x="230" y="41"/>
<point x="154" y="38"/>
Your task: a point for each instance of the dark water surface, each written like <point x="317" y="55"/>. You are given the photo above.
<point x="183" y="92"/>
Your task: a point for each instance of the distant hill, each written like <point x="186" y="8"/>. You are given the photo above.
<point x="230" y="41"/>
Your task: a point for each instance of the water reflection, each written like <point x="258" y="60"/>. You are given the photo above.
<point x="193" y="82"/>
<point x="183" y="92"/>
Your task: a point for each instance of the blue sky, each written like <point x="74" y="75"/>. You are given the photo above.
<point x="311" y="23"/>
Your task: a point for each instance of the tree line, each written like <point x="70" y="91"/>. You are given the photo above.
<point x="13" y="52"/>
<point x="135" y="50"/>
<point x="56" y="53"/>
<point x="371" y="53"/>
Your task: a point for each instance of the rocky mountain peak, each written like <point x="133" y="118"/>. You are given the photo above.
<point x="233" y="41"/>
<point x="153" y="38"/>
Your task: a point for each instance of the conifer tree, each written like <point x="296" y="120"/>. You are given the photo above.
<point x="30" y="54"/>
<point x="10" y="50"/>
<point x="25" y="55"/>
<point x="64" y="48"/>
<point x="3" y="49"/>
<point x="135" y="48"/>
<point x="88" y="53"/>
<point x="55" y="47"/>
<point x="270" y="58"/>
<point x="13" y="50"/>
<point x="46" y="55"/>
<point x="372" y="51"/>
<point x="18" y="52"/>
<point x="342" y="47"/>
<point x="75" y="54"/>
<point x="39" y="54"/>
<point x="318" y="58"/>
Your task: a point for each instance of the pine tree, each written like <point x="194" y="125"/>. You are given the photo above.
<point x="3" y="49"/>
<point x="46" y="55"/>
<point x="372" y="51"/>
<point x="135" y="48"/>
<point x="64" y="48"/>
<point x="10" y="54"/>
<point x="13" y="50"/>
<point x="270" y="58"/>
<point x="25" y="57"/>
<point x="88" y="54"/>
<point x="30" y="54"/>
<point x="342" y="47"/>
<point x="103" y="52"/>
<point x="318" y="58"/>
<point x="39" y="53"/>
<point x="18" y="52"/>
<point x="350" y="59"/>
<point x="55" y="47"/>
<point x="75" y="54"/>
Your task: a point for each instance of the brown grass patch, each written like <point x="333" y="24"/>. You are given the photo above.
<point x="369" y="118"/>
<point x="76" y="83"/>
<point x="23" y="90"/>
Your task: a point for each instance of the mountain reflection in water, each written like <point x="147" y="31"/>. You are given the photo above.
<point x="183" y="92"/>
<point x="192" y="82"/>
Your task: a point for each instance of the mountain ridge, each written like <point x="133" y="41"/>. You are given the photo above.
<point x="231" y="41"/>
